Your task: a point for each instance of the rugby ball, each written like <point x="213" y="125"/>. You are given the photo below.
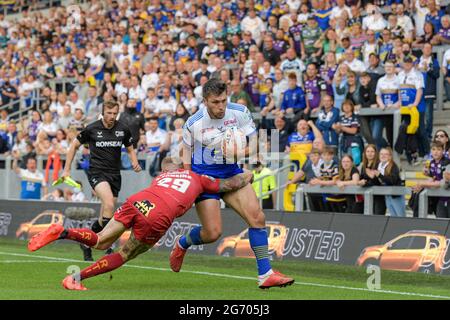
<point x="234" y="142"/>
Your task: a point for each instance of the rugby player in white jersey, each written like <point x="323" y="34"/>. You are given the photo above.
<point x="202" y="153"/>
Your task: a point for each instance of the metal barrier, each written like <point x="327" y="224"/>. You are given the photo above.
<point x="368" y="195"/>
<point x="131" y="181"/>
<point x="279" y="187"/>
<point x="423" y="198"/>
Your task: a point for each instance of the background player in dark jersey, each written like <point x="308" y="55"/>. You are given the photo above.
<point x="149" y="213"/>
<point x="105" y="138"/>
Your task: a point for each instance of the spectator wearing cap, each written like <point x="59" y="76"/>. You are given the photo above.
<point x="343" y="45"/>
<point x="411" y="94"/>
<point x="211" y="46"/>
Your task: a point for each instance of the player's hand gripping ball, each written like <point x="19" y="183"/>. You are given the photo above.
<point x="233" y="144"/>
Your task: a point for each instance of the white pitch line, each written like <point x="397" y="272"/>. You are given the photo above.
<point x="222" y="275"/>
<point x="32" y="261"/>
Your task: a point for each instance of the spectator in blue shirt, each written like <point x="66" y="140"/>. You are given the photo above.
<point x="159" y="20"/>
<point x="222" y="51"/>
<point x="32" y="180"/>
<point x="294" y="100"/>
<point x="184" y="53"/>
<point x="434" y="16"/>
<point x="328" y="116"/>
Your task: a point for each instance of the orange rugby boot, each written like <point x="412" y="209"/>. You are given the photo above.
<point x="70" y="283"/>
<point x="45" y="237"/>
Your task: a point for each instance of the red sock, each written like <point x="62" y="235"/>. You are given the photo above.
<point x="84" y="236"/>
<point x="105" y="264"/>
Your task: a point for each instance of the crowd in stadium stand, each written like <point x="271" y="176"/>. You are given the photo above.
<point x="304" y="68"/>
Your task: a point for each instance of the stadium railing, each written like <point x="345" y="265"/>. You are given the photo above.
<point x="279" y="174"/>
<point x="368" y="193"/>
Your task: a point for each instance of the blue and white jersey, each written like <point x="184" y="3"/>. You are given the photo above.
<point x="297" y="138"/>
<point x="31" y="184"/>
<point x="410" y="83"/>
<point x="388" y="89"/>
<point x="204" y="136"/>
<point x="297" y="66"/>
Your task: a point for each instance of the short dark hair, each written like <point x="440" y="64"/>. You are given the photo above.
<point x="437" y="144"/>
<point x="214" y="87"/>
<point x="329" y="150"/>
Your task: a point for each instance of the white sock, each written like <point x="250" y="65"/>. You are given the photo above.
<point x="263" y="277"/>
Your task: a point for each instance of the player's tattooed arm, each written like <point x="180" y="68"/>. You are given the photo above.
<point x="236" y="182"/>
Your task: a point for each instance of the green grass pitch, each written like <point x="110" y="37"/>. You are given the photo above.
<point x="38" y="275"/>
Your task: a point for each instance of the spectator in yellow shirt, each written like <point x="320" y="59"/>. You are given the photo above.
<point x="268" y="183"/>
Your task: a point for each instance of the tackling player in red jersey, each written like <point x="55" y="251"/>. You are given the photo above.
<point x="149" y="213"/>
